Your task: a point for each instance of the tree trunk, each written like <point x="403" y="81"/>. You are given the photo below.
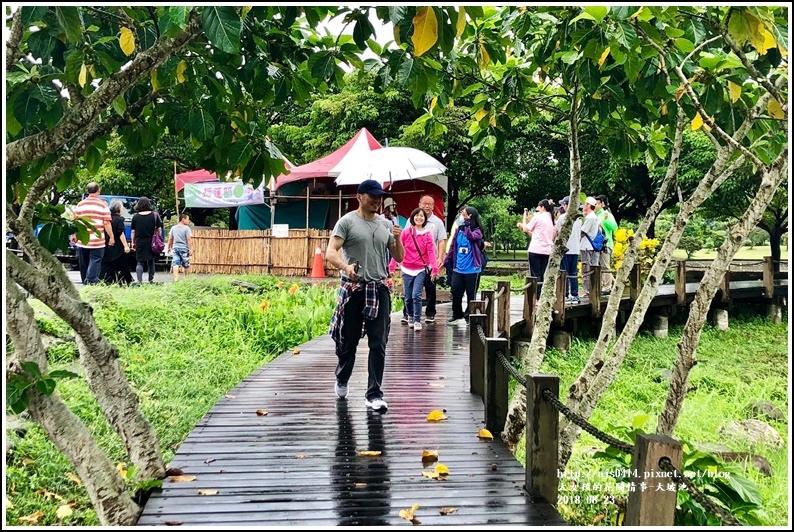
<point x="104" y="375"/>
<point x="706" y="291"/>
<point x="516" y="412"/>
<point x="105" y="486"/>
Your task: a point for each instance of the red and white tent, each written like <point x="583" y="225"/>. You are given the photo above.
<point x="330" y="165"/>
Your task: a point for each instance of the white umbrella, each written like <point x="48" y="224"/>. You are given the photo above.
<point x="387" y="165"/>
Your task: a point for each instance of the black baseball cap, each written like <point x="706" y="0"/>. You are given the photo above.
<point x="371" y="187"/>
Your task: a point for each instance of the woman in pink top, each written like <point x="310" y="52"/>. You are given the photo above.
<point x="541" y="227"/>
<point x="420" y="256"/>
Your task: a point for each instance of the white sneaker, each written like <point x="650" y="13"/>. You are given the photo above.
<point x="418" y="326"/>
<point x="377" y="404"/>
<point x="341" y="390"/>
<point x="404" y="320"/>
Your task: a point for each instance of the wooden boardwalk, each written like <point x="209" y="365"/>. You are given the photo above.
<point x="299" y="464"/>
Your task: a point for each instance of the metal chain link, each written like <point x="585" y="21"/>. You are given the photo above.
<point x="576" y="419"/>
<point x="726" y="518"/>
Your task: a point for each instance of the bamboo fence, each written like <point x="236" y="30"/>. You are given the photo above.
<point x="250" y="251"/>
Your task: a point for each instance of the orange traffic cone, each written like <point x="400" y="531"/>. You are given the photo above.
<point x="318" y="271"/>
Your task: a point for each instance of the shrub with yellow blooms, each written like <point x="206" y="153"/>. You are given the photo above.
<point x="647" y="252"/>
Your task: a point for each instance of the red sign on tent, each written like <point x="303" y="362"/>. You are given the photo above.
<point x="195" y="176"/>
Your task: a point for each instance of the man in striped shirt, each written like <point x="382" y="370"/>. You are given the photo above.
<point x="89" y="255"/>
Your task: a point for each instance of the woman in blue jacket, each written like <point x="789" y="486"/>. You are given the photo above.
<point x="464" y="262"/>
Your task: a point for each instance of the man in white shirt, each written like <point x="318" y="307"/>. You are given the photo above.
<point x="570" y="261"/>
<point x="590" y="257"/>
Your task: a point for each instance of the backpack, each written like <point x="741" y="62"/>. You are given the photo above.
<point x="598" y="242"/>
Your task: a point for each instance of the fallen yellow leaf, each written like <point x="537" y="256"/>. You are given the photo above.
<point x="300" y="456"/>
<point x="32" y="518"/>
<point x="74" y="478"/>
<point x="430" y="474"/>
<point x="436" y="415"/>
<point x="207" y="492"/>
<point x="296" y="351"/>
<point x="121" y="467"/>
<point x="485" y="434"/>
<point x="64" y="510"/>
<point x="442" y="470"/>
<point x="409" y="514"/>
<point x="436" y="385"/>
<point x="230" y="396"/>
<point x="359" y="484"/>
<point x="183" y="478"/>
<point x="261" y="412"/>
<point x="26" y="461"/>
<point x="8" y="503"/>
<point x="448" y="511"/>
<point x="370" y="453"/>
<point x="429" y="456"/>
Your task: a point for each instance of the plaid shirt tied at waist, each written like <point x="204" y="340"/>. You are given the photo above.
<point x="372" y="302"/>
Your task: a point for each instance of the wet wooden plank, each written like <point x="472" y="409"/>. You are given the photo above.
<point x="300" y="463"/>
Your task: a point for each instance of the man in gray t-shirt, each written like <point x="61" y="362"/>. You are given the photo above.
<point x="364" y="301"/>
<point x="179" y="240"/>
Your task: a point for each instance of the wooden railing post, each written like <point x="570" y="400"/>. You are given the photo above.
<point x="635" y="282"/>
<point x="529" y="306"/>
<point x="558" y="312"/>
<point x="476" y="355"/>
<point x="769" y="278"/>
<point x="654" y="505"/>
<point x="542" y="478"/>
<point x="503" y="315"/>
<point x="725" y="287"/>
<point x="489" y="304"/>
<point x="680" y="283"/>
<point x="496" y="384"/>
<point x="595" y="291"/>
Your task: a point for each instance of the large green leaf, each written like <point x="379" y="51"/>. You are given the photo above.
<point x="26" y="107"/>
<point x="41" y="44"/>
<point x="200" y="123"/>
<point x="31" y="14"/>
<point x="322" y="65"/>
<point x="240" y="152"/>
<point x="223" y="27"/>
<point x="71" y="22"/>
<point x="589" y="76"/>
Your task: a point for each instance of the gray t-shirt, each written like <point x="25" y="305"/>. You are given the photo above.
<point x="180" y="232"/>
<point x="366" y="241"/>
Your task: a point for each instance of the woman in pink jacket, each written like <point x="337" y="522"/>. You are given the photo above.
<point x="419" y="262"/>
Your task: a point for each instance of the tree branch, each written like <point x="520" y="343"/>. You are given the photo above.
<point x="12" y="51"/>
<point x="36" y="146"/>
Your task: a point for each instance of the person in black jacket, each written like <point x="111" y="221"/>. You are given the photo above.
<point x="114" y="262"/>
<point x="144" y="224"/>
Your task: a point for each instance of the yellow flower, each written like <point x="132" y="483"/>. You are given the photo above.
<point x="294" y="288"/>
<point x="264" y="305"/>
<point x="631" y="232"/>
<point x="621" y="235"/>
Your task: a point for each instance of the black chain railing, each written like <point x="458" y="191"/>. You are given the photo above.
<point x="725" y="517"/>
<point x="578" y="420"/>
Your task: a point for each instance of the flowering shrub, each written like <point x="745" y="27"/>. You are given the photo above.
<point x="647" y="253"/>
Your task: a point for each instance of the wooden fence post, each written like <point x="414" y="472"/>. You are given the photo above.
<point x="541" y="476"/>
<point x="680" y="283"/>
<point x="595" y="291"/>
<point x="558" y="311"/>
<point x="489" y="304"/>
<point x="503" y="315"/>
<point x="725" y="287"/>
<point x="529" y="306"/>
<point x="496" y="383"/>
<point x="769" y="278"/>
<point x="654" y="505"/>
<point x="476" y="356"/>
<point x="635" y="282"/>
